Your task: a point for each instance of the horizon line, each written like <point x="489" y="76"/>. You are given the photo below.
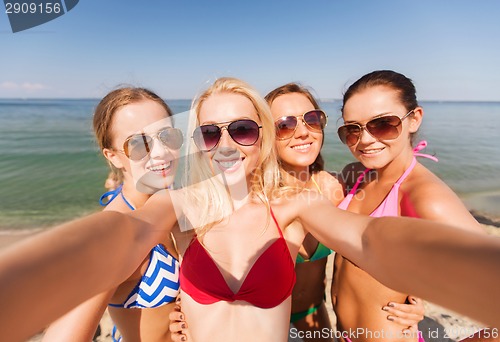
<point x="188" y="99"/>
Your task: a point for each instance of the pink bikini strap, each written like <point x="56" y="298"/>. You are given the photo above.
<point x="358" y="181"/>
<point x="420" y="146"/>
<point x="406" y="173"/>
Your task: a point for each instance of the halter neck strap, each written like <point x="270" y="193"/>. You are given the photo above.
<point x="420" y="146"/>
<point x="109" y="196"/>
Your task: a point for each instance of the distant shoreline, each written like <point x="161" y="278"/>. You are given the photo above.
<point x="324" y="100"/>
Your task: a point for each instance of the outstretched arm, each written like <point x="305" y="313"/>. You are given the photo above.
<point x="45" y="276"/>
<point x="80" y="324"/>
<point x="452" y="267"/>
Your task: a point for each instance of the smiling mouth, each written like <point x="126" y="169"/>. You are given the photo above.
<point x="301" y="147"/>
<point x="371" y="151"/>
<point x="161" y="168"/>
<point x="229" y="165"/>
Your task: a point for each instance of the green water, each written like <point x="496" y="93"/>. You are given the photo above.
<point x="51" y="169"/>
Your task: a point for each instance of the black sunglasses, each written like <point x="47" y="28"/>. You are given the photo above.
<point x="386" y="127"/>
<point x="315" y="121"/>
<point x="138" y="146"/>
<point x="244" y="132"/>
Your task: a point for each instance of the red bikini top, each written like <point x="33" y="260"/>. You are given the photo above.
<point x="267" y="284"/>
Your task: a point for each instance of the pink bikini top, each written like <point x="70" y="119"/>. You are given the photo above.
<point x="267" y="284"/>
<point x="390" y="205"/>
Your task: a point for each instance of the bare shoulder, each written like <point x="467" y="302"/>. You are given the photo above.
<point x="327" y="178"/>
<point x="285" y="208"/>
<point x="118" y="205"/>
<point x="158" y="210"/>
<point x="288" y="208"/>
<point x="424" y="189"/>
<point x="430" y="198"/>
<point x="330" y="186"/>
<point x="165" y="199"/>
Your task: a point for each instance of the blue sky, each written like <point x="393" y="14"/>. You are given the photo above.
<point x="449" y="48"/>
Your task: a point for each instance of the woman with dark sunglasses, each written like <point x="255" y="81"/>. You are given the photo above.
<point x="299" y="123"/>
<point x="237" y="273"/>
<point x="133" y="127"/>
<point x="381" y="116"/>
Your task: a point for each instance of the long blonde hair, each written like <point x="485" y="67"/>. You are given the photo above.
<point x="211" y="197"/>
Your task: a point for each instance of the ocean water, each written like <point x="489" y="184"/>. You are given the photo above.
<point x="52" y="171"/>
<point x="465" y="136"/>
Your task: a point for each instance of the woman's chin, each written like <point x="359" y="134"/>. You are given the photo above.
<point x="151" y="183"/>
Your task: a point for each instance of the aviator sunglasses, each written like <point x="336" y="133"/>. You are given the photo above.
<point x="315" y="121"/>
<point x="386" y="127"/>
<point x="243" y="132"/>
<point x="138" y="146"/>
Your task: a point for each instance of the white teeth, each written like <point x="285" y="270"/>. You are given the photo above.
<point x="227" y="164"/>
<point x="372" y="151"/>
<point x="162" y="167"/>
<point x="301" y="147"/>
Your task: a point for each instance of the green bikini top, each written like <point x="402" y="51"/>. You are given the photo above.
<point x="321" y="252"/>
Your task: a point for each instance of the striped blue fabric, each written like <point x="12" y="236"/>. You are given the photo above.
<point x="159" y="285"/>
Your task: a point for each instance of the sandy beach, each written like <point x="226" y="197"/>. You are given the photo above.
<point x="440" y="324"/>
